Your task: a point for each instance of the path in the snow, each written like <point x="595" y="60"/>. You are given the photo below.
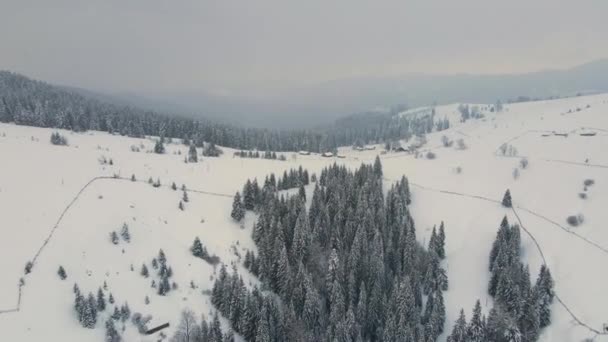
<point x="561" y="302"/>
<point x="65" y="211"/>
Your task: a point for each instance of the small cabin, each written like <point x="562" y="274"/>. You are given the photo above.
<point x="327" y="154"/>
<point x="304" y="153"/>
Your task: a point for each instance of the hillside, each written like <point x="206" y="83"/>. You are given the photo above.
<point x="41" y="183"/>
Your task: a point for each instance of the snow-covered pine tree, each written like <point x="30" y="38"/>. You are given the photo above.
<point x="185" y="197"/>
<point x="192" y="154"/>
<point x="459" y="333"/>
<point x="544" y="288"/>
<point x="101" y="300"/>
<point x="116" y="314"/>
<point x="377" y="167"/>
<point x="114" y="237"/>
<point x="124" y="232"/>
<point x="125" y="312"/>
<point x="506" y="200"/>
<point x="173" y="186"/>
<point x="476" y="328"/>
<point x="90" y="312"/>
<point x="248" y="196"/>
<point x="441" y="241"/>
<point x="238" y="210"/>
<point x="112" y="334"/>
<point x="197" y="248"/>
<point x="144" y="271"/>
<point x="180" y="206"/>
<point x="159" y="147"/>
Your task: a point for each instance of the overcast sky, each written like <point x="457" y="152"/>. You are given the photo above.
<point x="220" y="45"/>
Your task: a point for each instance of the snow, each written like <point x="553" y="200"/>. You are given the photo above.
<point x="38" y="180"/>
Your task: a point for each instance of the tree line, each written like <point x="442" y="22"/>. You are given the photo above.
<point x="34" y="103"/>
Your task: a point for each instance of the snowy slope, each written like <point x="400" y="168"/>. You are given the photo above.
<point x="38" y="181"/>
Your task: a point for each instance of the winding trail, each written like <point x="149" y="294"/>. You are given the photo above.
<point x="21" y="284"/>
<point x="539" y="248"/>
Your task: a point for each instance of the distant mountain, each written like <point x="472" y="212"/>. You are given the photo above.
<point x="324" y="102"/>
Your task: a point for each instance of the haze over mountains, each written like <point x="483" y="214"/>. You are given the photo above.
<point x="321" y="103"/>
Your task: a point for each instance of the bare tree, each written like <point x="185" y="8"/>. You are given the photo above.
<point x="187" y="327"/>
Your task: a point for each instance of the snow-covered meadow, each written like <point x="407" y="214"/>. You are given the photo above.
<point x="38" y="180"/>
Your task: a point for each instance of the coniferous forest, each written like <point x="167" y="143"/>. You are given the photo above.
<point x="348" y="268"/>
<point x="34" y="103"/>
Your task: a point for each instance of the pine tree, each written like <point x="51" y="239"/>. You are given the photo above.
<point x="506" y="200"/>
<point x="159" y="148"/>
<point x="377" y="167"/>
<point x="114" y="237"/>
<point x="133" y="179"/>
<point x="173" y="186"/>
<point x="238" y="212"/>
<point x="197" y="248"/>
<point x="147" y="300"/>
<point x="112" y="334"/>
<point x="185" y="197"/>
<point x="125" y="312"/>
<point x="101" y="301"/>
<point x="192" y="154"/>
<point x="61" y="273"/>
<point x="144" y="271"/>
<point x="90" y="312"/>
<point x="248" y="196"/>
<point x="441" y="241"/>
<point x="110" y="298"/>
<point x="216" y="330"/>
<point x="116" y="314"/>
<point x="459" y="333"/>
<point x="125" y="233"/>
<point x="544" y="288"/>
<point x="476" y="328"/>
<point x="180" y="206"/>
<point x="530" y="318"/>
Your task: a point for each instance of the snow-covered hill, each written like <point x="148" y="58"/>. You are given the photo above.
<point x="38" y="181"/>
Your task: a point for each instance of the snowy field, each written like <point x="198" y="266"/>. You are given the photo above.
<point x="38" y="180"/>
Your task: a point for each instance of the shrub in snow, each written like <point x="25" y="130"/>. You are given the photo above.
<point x="575" y="220"/>
<point x="430" y="155"/>
<point x="515" y="173"/>
<point x="58" y="139"/>
<point x="61" y="273"/>
<point x="28" y="267"/>
<point x="460" y="144"/>
<point x="523" y="163"/>
<point x="446" y="141"/>
<point x="141" y="322"/>
<point x="582" y="195"/>
<point x="589" y="182"/>
<point x="458" y="170"/>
